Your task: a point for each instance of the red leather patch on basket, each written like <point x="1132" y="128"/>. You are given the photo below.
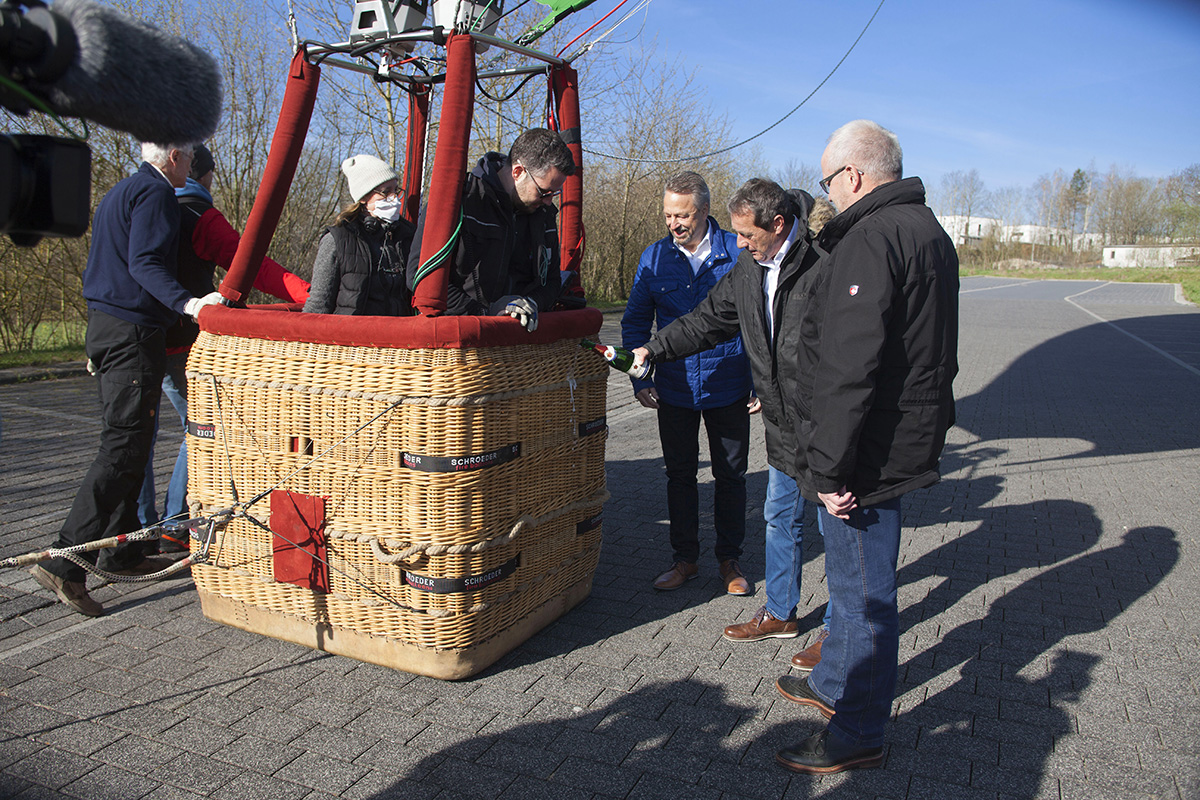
<point x="298" y="546"/>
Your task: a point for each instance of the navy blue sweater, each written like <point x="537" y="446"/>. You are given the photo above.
<point x="130" y="270"/>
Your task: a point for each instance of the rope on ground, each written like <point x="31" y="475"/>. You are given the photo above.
<point x="113" y="577"/>
<point x="25" y="560"/>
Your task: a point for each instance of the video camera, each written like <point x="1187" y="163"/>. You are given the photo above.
<point x="81" y="59"/>
<point x="47" y="179"/>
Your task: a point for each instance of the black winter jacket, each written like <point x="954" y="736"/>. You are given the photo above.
<point x="881" y="347"/>
<point x="499" y="252"/>
<point x="737" y="304"/>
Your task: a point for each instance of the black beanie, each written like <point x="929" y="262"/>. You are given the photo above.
<point x="202" y="162"/>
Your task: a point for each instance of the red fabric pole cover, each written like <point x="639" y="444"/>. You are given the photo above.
<point x="443" y="207"/>
<point x="565" y="82"/>
<point x="414" y="159"/>
<point x="298" y="101"/>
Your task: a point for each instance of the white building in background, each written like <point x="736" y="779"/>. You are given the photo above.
<point x="963" y="230"/>
<point x="1151" y="255"/>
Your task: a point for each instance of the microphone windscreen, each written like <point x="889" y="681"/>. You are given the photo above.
<point x="132" y="77"/>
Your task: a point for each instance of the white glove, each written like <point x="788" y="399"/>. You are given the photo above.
<point x="523" y="309"/>
<point x="91" y="367"/>
<point x="192" y="307"/>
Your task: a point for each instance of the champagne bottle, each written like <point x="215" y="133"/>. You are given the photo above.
<point x="618" y="358"/>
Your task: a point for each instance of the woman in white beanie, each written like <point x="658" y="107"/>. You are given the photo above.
<point x="360" y="259"/>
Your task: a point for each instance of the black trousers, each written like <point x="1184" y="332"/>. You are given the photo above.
<point x="728" y="430"/>
<point x="130" y="361"/>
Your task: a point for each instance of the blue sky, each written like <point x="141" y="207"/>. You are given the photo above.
<point x="1014" y="89"/>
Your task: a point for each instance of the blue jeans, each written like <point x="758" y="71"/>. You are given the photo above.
<point x="174" y="388"/>
<point x="857" y="672"/>
<point x="729" y="451"/>
<point x="783" y="512"/>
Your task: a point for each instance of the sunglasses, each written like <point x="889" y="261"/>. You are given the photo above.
<point x="542" y="193"/>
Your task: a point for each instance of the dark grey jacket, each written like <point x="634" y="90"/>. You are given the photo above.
<point x="737" y="305"/>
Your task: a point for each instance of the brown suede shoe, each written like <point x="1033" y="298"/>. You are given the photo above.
<point x="804" y="661"/>
<point x="798" y="691"/>
<point x="735" y="581"/>
<point x="763" y="626"/>
<point x="676" y="576"/>
<point x="72" y="593"/>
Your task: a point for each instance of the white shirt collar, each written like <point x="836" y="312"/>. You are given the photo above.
<point x="703" y="250"/>
<point x="775" y="261"/>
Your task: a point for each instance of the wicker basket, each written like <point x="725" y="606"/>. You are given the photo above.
<point x="459" y="486"/>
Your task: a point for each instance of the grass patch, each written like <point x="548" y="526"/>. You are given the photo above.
<point x="53" y="343"/>
<point x="41" y="357"/>
<point x="1187" y="277"/>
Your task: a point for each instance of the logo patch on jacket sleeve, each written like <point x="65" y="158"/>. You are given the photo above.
<point x="853" y="289"/>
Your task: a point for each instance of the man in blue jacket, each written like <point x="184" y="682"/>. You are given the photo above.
<point x="132" y="297"/>
<point x="674" y="275"/>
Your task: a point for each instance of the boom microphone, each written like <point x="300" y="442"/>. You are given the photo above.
<point x="126" y="75"/>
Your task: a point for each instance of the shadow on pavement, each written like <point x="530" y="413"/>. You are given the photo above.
<point x="1096" y="386"/>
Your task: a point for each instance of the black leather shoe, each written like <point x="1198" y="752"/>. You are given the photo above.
<point x="820" y="754"/>
<point x="798" y="691"/>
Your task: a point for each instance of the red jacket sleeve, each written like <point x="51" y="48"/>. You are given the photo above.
<point x="214" y="239"/>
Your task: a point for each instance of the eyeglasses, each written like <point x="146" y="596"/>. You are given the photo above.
<point x="386" y="190"/>
<point x="824" y="182"/>
<point x="542" y="193"/>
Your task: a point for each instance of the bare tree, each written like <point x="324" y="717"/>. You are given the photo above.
<point x="1010" y="204"/>
<point x="1130" y="208"/>
<point x="964" y="195"/>
<point x="799" y="175"/>
<point x="1182" y="198"/>
<point x="1047" y="195"/>
<point x="662" y="128"/>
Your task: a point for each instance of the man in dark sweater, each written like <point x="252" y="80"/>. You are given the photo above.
<point x="132" y="296"/>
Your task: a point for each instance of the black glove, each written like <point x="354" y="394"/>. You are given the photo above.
<point x="522" y="309"/>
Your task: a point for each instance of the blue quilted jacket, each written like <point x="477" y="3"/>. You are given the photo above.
<point x="664" y="289"/>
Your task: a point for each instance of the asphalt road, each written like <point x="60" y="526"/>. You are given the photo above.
<point x="1049" y="587"/>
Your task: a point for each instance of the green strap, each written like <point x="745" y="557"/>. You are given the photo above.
<point x="439" y="258"/>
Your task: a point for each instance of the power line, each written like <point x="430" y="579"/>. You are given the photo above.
<point x="760" y="133"/>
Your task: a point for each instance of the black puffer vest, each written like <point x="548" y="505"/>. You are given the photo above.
<point x="370" y="256"/>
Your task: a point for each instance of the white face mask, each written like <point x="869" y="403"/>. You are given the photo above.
<point x="386" y="209"/>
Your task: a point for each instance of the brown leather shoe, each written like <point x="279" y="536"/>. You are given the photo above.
<point x="735" y="581"/>
<point x="763" y="626"/>
<point x="804" y="661"/>
<point x="72" y="593"/>
<point x="676" y="576"/>
<point x="798" y="691"/>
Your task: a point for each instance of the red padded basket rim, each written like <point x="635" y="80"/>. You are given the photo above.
<point x="412" y="333"/>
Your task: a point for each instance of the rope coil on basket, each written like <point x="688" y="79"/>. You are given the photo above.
<point x="525" y="521"/>
<point x="445" y="613"/>
<point x="356" y="394"/>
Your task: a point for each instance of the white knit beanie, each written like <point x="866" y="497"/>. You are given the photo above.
<point x="364" y="173"/>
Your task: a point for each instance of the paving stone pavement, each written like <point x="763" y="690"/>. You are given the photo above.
<point x="1048" y="588"/>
